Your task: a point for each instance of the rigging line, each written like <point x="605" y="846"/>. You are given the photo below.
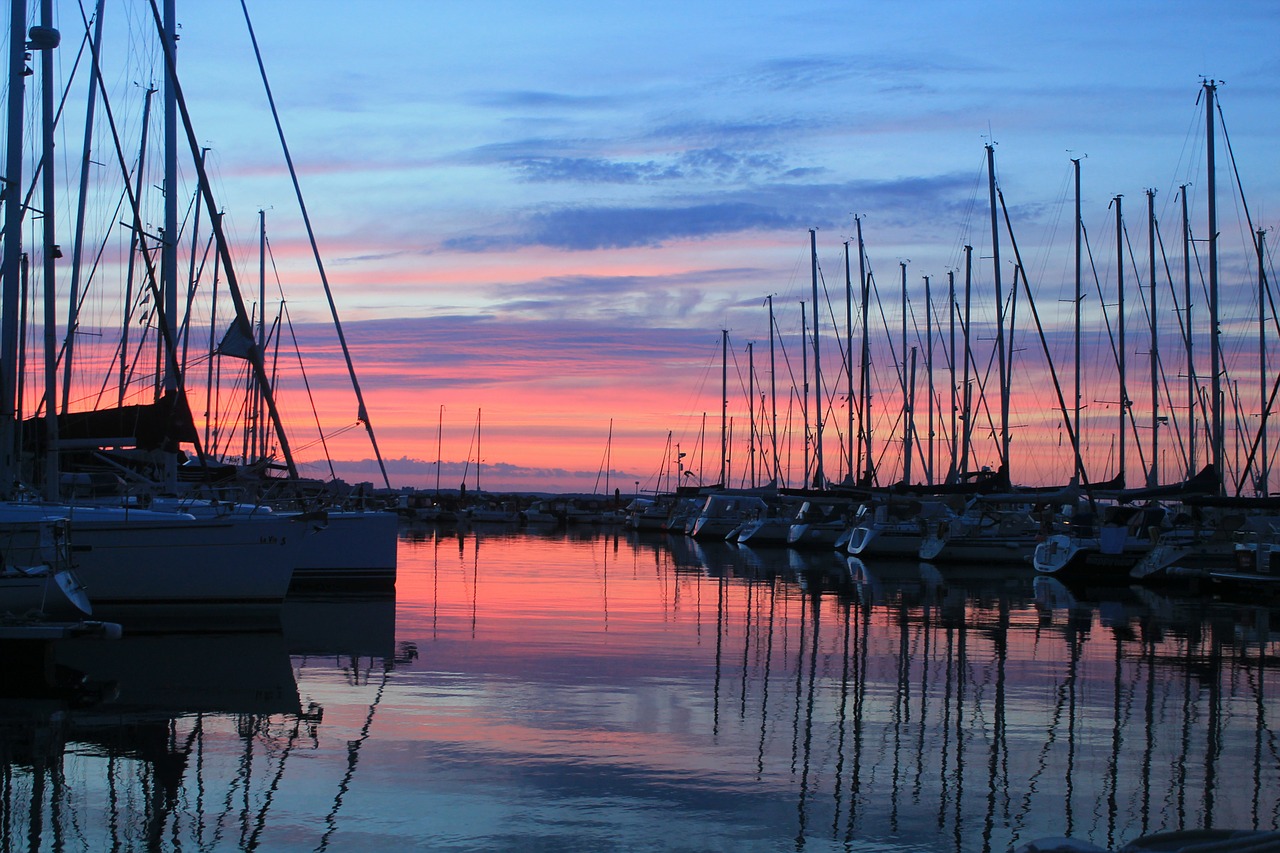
<point x="1102" y="303"/>
<point x="141" y="348"/>
<point x="888" y="335"/>
<point x="1257" y="438"/>
<point x="1044" y="343"/>
<point x="233" y="286"/>
<point x="1204" y="292"/>
<point x="192" y="286"/>
<point x="363" y="413"/>
<point x="1234" y="396"/>
<point x="1175" y="422"/>
<point x="149" y="277"/>
<point x="1142" y="297"/>
<point x="57" y="120"/>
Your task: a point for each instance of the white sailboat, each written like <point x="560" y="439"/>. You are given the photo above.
<point x="123" y="556"/>
<point x="185" y="548"/>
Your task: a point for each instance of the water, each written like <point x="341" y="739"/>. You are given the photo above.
<point x="613" y="692"/>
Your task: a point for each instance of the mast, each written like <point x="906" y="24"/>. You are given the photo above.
<point x="928" y="373"/>
<point x="259" y="439"/>
<point x="906" y="388"/>
<point x="1190" y="340"/>
<point x="135" y="238"/>
<point x="865" y="283"/>
<point x="1263" y="459"/>
<point x="242" y="324"/>
<point x="1000" y="355"/>
<point x="1153" y="473"/>
<point x="1124" y="394"/>
<point x="909" y="420"/>
<point x="751" y="410"/>
<point x="848" y="354"/>
<point x="362" y="414"/>
<point x="49" y="40"/>
<point x="967" y="393"/>
<point x="210" y="409"/>
<point x="951" y="364"/>
<point x="439" y="445"/>
<point x="1217" y="435"/>
<point x="819" y="478"/>
<point x="773" y="396"/>
<point x="1079" y="302"/>
<point x="724" y="403"/>
<point x="10" y="263"/>
<point x="169" y="246"/>
<point x="77" y="244"/>
<point x="804" y="373"/>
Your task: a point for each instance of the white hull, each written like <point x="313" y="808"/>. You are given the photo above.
<point x="877" y="540"/>
<point x="135" y="557"/>
<point x="349" y="548"/>
<point x="978" y="549"/>
<point x="42" y="593"/>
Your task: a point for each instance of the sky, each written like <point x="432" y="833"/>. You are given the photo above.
<point x="538" y="219"/>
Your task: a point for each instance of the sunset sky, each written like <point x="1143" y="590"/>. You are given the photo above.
<point x="542" y="215"/>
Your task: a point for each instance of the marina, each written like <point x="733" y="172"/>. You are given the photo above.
<point x="870" y="620"/>
<point x="588" y="688"/>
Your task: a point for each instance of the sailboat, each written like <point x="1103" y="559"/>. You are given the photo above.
<point x="316" y="543"/>
<point x="131" y="554"/>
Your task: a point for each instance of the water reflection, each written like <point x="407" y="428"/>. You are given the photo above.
<point x="608" y="691"/>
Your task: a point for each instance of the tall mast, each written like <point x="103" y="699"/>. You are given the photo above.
<point x="77" y="244"/>
<point x="1124" y="392"/>
<point x="819" y="479"/>
<point x="751" y="409"/>
<point x="928" y="372"/>
<point x="1263" y="471"/>
<point x="865" y="283"/>
<point x="11" y="262"/>
<point x="259" y="433"/>
<point x="242" y="323"/>
<point x="724" y="403"/>
<point x="909" y="419"/>
<point x="951" y="363"/>
<point x="967" y="393"/>
<point x="1079" y="301"/>
<point x="135" y="238"/>
<point x="439" y="443"/>
<point x="1153" y="473"/>
<point x="773" y="397"/>
<point x="1000" y="356"/>
<point x="906" y="387"/>
<point x="169" y="247"/>
<point x="1218" y="435"/>
<point x="50" y="252"/>
<point x="362" y="413"/>
<point x="848" y="353"/>
<point x="1190" y="339"/>
<point x="804" y="373"/>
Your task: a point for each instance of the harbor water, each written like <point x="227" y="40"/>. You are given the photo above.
<point x="607" y="690"/>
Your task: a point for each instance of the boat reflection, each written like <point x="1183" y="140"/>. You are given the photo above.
<point x="917" y="696"/>
<point x="752" y="698"/>
<point x="158" y="740"/>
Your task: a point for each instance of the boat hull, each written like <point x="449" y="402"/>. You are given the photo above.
<point x="136" y="558"/>
<point x="347" y="550"/>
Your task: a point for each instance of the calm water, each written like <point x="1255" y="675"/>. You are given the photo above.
<point x="565" y="692"/>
